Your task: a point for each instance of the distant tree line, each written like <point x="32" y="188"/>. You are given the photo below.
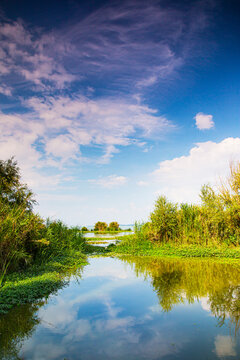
<point x="103" y="226"/>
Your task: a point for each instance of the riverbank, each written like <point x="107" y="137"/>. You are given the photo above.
<point x="41" y="279"/>
<point x="129" y="246"/>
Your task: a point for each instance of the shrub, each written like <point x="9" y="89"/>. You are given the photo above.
<point x="113" y="226"/>
<point x="164" y="222"/>
<point x="100" y="226"/>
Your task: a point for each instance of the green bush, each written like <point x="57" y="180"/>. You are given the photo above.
<point x="24" y="236"/>
<point x="19" y="229"/>
<point x="164" y="220"/>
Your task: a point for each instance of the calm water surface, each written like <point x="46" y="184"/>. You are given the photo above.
<point x="107" y="235"/>
<point x="132" y="308"/>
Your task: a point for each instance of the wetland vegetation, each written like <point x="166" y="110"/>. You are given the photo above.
<point x="211" y="228"/>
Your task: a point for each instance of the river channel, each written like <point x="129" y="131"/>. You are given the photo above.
<point x="132" y="308"/>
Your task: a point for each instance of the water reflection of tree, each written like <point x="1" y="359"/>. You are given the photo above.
<point x="21" y="321"/>
<point x="167" y="289"/>
<point x="176" y="281"/>
<point x="17" y="325"/>
<point x="225" y="304"/>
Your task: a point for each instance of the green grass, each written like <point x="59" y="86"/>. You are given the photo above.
<point x="99" y="239"/>
<point x="131" y="245"/>
<point x="42" y="279"/>
<point x="39" y="281"/>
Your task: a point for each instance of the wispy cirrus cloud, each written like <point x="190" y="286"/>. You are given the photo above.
<point x="23" y="56"/>
<point x="133" y="44"/>
<point x="139" y="42"/>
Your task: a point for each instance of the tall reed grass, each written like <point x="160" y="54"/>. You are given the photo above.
<point x="216" y="221"/>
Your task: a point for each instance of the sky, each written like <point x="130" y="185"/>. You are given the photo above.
<point x="106" y="105"/>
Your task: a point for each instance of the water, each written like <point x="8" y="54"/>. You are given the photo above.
<point x="132" y="308"/>
<point x="107" y="235"/>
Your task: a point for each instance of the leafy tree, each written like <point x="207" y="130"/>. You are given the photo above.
<point x="114" y="226"/>
<point x="12" y="191"/>
<point x="84" y="228"/>
<point x="100" y="226"/>
<point x="164" y="219"/>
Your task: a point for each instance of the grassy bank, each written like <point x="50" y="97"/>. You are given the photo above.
<point x="37" y="256"/>
<point x="39" y="280"/>
<point x="43" y="278"/>
<point x="137" y="245"/>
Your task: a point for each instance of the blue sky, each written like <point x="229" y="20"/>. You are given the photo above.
<point x="107" y="104"/>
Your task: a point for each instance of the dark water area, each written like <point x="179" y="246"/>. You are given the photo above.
<point x="132" y="308"/>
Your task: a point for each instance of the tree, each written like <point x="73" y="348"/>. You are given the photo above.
<point x="164" y="219"/>
<point x="114" y="226"/>
<point x="12" y="191"/>
<point x="84" y="228"/>
<point x="100" y="226"/>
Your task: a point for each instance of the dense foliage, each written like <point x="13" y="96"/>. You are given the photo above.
<point x="103" y="226"/>
<point x="100" y="226"/>
<point x="25" y="238"/>
<point x="84" y="229"/>
<point x="113" y="226"/>
<point x="216" y="221"/>
<point x="12" y="191"/>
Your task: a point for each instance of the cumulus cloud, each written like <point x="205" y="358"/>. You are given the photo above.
<point x="110" y="181"/>
<point x="181" y="178"/>
<point x="204" y="121"/>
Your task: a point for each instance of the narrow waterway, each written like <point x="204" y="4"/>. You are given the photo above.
<point x="132" y="308"/>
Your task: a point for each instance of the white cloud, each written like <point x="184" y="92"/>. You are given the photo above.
<point x="54" y="130"/>
<point x="110" y="181"/>
<point x="5" y="90"/>
<point x="23" y="53"/>
<point x="224" y="346"/>
<point x="103" y="46"/>
<point x="107" y="123"/>
<point x="205" y="304"/>
<point x="181" y="178"/>
<point x="204" y="121"/>
<point x="62" y="146"/>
